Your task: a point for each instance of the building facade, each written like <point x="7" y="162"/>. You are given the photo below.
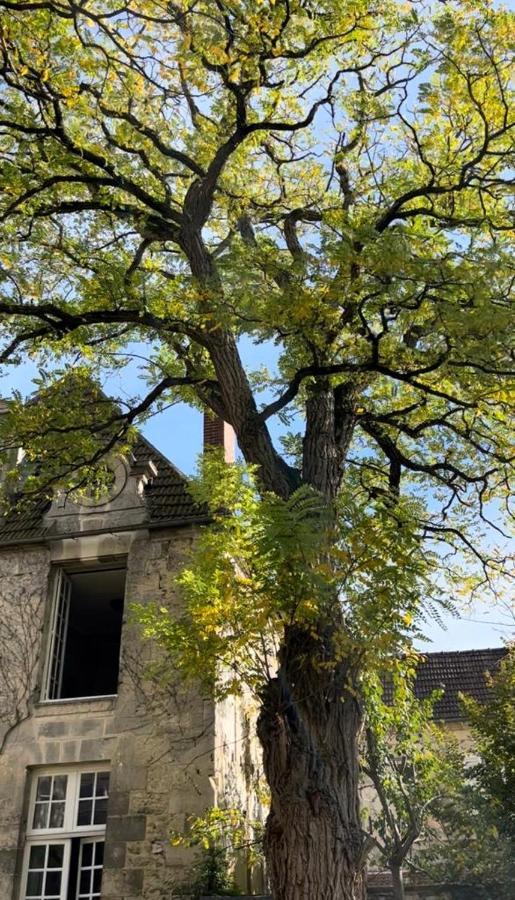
<point x="97" y="764"/>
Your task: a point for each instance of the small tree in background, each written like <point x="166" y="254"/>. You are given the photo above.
<point x="413" y="767"/>
<point x="475" y="845"/>
<point x="468" y="848"/>
<point x="493" y="727"/>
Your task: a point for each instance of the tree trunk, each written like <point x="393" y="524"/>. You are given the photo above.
<point x="397" y="882"/>
<point x="309" y="726"/>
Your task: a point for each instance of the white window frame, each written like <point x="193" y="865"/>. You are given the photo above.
<point x="71" y="807"/>
<point x="88" y="840"/>
<point x="66" y="863"/>
<point x="61" y="597"/>
<point x="69" y="830"/>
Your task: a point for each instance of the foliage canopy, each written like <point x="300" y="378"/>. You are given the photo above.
<point x="333" y="178"/>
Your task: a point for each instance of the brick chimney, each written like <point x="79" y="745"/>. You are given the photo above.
<point x="218" y="433"/>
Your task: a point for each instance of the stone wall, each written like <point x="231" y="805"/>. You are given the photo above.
<point x="23" y="592"/>
<point x="160" y="744"/>
<point x="239" y="776"/>
<point x="162" y="769"/>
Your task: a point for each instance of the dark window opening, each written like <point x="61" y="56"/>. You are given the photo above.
<point x="85" y="643"/>
<point x="86" y="865"/>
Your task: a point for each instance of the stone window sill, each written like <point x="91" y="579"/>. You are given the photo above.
<point x="75" y="704"/>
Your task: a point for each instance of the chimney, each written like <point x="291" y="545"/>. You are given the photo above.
<point x="218" y="433"/>
<point x="14" y="455"/>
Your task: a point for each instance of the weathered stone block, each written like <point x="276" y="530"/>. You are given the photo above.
<point x="115" y="854"/>
<point x="8" y="860"/>
<point x="51" y="752"/>
<point x="53" y="729"/>
<point x="127" y="828"/>
<point x="97" y="749"/>
<point x="70" y="751"/>
<point x="133" y="882"/>
<point x="90" y="727"/>
<point x="119" y="803"/>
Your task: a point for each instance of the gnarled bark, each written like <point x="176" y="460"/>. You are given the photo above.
<point x="309" y="727"/>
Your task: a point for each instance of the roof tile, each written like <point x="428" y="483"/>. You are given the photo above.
<point x="456" y="671"/>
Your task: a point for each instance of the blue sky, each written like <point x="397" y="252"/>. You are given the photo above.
<point x="177" y="432"/>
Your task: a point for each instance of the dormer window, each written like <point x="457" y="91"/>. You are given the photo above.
<point x="84" y="637"/>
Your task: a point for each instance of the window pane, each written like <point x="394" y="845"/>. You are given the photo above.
<point x="55" y="856"/>
<point x="53" y="884"/>
<point x="87" y="854"/>
<point x="44" y="788"/>
<point x="40" y="815"/>
<point x="102" y="784"/>
<point x="57" y="815"/>
<point x="35" y="884"/>
<point x="85" y="881"/>
<point x="97" y="880"/>
<point x="87" y="782"/>
<point x="59" y="791"/>
<point x="85" y="811"/>
<point x="37" y="857"/>
<point x="90" y="873"/>
<point x="99" y="853"/>
<point x="45" y="874"/>
<point x="100" y="816"/>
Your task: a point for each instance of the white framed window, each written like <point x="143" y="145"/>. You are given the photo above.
<point x="46" y="866"/>
<point x="84" y="633"/>
<point x="66" y="823"/>
<point x="91" y="862"/>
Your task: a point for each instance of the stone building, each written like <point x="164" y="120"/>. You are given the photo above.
<point x="97" y="766"/>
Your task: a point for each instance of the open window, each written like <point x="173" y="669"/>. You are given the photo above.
<point x="85" y="634"/>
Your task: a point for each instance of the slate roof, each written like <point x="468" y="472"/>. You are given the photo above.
<point x="168" y="500"/>
<point x="456" y="671"/>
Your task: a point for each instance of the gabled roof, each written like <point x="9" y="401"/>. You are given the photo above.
<point x="167" y="498"/>
<point x="456" y="671"/>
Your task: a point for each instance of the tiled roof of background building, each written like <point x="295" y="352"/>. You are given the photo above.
<point x="456" y="671"/>
<point x="167" y="497"/>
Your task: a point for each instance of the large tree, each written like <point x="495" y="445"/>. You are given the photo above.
<point x="330" y="177"/>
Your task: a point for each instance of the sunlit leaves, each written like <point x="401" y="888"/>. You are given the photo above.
<point x="66" y="447"/>
<point x="267" y="564"/>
